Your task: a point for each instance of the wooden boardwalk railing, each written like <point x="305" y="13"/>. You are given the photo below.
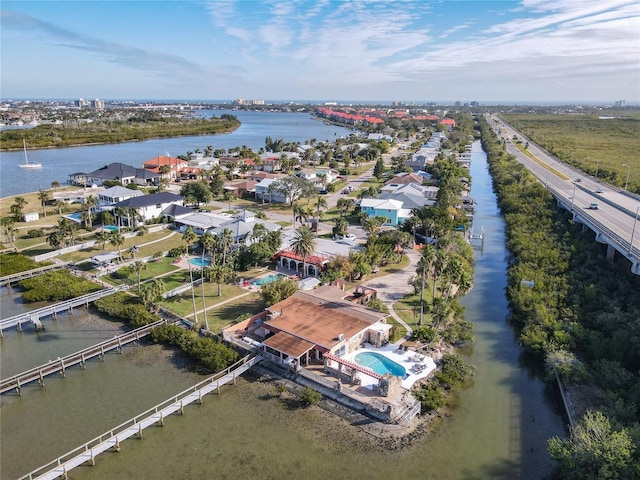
<point x="16" y="277"/>
<point x="60" y="467"/>
<point x="34" y="316"/>
<point x="16" y="382"/>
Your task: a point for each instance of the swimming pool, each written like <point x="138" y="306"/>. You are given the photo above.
<point x="380" y="364"/>
<point x="268" y="279"/>
<point x="199" y="263"/>
<point x="110" y="228"/>
<point x="76" y="217"/>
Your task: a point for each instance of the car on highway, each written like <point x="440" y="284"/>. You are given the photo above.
<point x="599" y="190"/>
<point x="578" y="180"/>
<point x="594" y="206"/>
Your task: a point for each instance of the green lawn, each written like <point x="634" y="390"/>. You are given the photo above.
<point x="183" y="305"/>
<point x="218" y="318"/>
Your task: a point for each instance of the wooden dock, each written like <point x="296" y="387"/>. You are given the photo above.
<point x="35" y="316"/>
<point x="110" y="441"/>
<point x="38" y="374"/>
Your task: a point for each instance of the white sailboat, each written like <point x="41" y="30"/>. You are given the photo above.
<point x="26" y="163"/>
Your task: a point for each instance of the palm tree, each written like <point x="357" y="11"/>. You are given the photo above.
<point x="259" y="232"/>
<point x="303" y="244"/>
<point x="228" y="196"/>
<point x="298" y="214"/>
<point x="7" y="226"/>
<point x="321" y="205"/>
<point x="138" y="267"/>
<point x="188" y="238"/>
<point x="226" y="240"/>
<point x="89" y="203"/>
<point x="120" y="212"/>
<point x="85" y="216"/>
<point x="58" y="204"/>
<point x="43" y="196"/>
<point x="17" y="208"/>
<point x="133" y="216"/>
<point x="207" y="242"/>
<point x="425" y="265"/>
<point x="439" y="265"/>
<point x="116" y="239"/>
<point x="102" y="237"/>
<point x="151" y="292"/>
<point x="218" y="274"/>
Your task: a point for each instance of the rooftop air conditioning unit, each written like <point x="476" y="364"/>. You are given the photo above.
<point x="341" y="337"/>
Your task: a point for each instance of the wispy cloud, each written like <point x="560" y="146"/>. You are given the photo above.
<point x="122" y="54"/>
<point x="456" y="29"/>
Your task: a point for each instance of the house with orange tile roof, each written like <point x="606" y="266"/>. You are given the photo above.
<point x="175" y="165"/>
<point x="309" y="325"/>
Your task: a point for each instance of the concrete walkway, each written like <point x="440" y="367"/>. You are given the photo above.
<point x="393" y="287"/>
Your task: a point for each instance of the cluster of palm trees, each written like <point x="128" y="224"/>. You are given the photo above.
<point x="305" y="213"/>
<point x="381" y="249"/>
<point x="219" y="269"/>
<point x="447" y="268"/>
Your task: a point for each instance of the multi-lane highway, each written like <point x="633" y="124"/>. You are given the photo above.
<point x="616" y="220"/>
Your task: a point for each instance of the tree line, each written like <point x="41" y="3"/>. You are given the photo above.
<point x="581" y="319"/>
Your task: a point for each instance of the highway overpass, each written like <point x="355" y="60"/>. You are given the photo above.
<point x="615" y="221"/>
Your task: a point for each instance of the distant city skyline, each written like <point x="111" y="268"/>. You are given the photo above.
<point x="536" y="51"/>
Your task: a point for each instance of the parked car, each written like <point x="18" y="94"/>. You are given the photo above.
<point x="348" y="236"/>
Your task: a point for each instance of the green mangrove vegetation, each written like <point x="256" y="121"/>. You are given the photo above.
<point x="11" y="263"/>
<point x="56" y="286"/>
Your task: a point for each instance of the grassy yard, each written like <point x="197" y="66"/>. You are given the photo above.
<point x="220" y="317"/>
<point x="165" y="241"/>
<point x="183" y="304"/>
<point x="589" y="142"/>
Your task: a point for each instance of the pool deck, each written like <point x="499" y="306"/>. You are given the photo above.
<point x="410" y="360"/>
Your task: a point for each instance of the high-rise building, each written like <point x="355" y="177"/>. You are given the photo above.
<point x="82" y="103"/>
<point x="97" y="104"/>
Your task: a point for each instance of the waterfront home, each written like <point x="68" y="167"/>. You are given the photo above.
<point x="412" y="195"/>
<point x="125" y="174"/>
<point x="241" y="227"/>
<point x="392" y="210"/>
<point x="173" y="166"/>
<point x="405" y="177"/>
<point x="147" y="207"/>
<point x="109" y="197"/>
<point x="309" y="325"/>
<point x="200" y="222"/>
<point x="78" y="179"/>
<point x="76" y="196"/>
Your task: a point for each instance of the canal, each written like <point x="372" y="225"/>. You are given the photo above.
<point x="496" y="428"/>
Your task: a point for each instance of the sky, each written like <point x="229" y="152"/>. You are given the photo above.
<point x="533" y="51"/>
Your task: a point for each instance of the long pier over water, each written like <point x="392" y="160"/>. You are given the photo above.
<point x="38" y="374"/>
<point x="110" y="441"/>
<point x="34" y="316"/>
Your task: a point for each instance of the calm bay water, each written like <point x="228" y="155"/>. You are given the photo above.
<point x="58" y="164"/>
<point x="497" y="428"/>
